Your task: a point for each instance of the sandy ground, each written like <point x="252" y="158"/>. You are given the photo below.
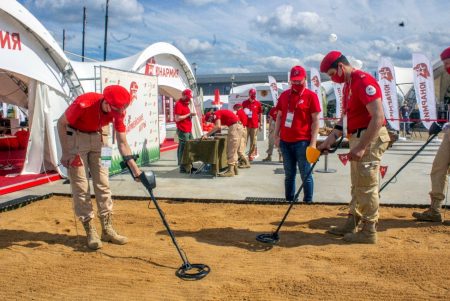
<point x="43" y="257"/>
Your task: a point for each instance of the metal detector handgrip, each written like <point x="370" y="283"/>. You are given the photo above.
<point x="338" y="143"/>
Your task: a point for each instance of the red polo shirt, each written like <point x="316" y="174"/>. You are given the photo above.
<point x="255" y="109"/>
<point x="303" y="105"/>
<point x="242" y="117"/>
<point x="182" y="108"/>
<point x="273" y="113"/>
<point x="362" y="90"/>
<point x="226" y="117"/>
<point x="85" y="114"/>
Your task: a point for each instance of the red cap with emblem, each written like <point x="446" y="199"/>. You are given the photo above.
<point x="445" y="54"/>
<point x="297" y="73"/>
<point x="116" y="96"/>
<point x="237" y="106"/>
<point x="328" y="60"/>
<point x="187" y="93"/>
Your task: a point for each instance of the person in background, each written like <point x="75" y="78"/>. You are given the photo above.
<point x="243" y="162"/>
<point x="183" y="121"/>
<point x="440" y="168"/>
<point x="296" y="128"/>
<point x="363" y="119"/>
<point x="253" y="109"/>
<point x="227" y="118"/>
<point x="404" y="113"/>
<point x="272" y="121"/>
<point x="83" y="139"/>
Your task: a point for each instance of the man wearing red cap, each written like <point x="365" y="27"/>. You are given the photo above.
<point x="363" y="119"/>
<point x="83" y="135"/>
<point x="253" y="109"/>
<point x="296" y="128"/>
<point x="183" y="121"/>
<point x="440" y="168"/>
<point x="229" y="119"/>
<point x="272" y="120"/>
<point x="243" y="162"/>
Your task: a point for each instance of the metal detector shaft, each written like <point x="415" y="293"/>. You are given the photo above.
<point x="301" y="186"/>
<point x="161" y="214"/>
<point x="407" y="162"/>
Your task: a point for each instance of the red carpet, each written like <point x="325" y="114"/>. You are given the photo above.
<point x="11" y="163"/>
<point x="168" y="145"/>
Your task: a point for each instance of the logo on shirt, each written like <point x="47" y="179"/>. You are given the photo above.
<point x="370" y="90"/>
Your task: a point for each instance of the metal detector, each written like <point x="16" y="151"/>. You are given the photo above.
<point x="434" y="130"/>
<point x="187" y="271"/>
<point x="312" y="155"/>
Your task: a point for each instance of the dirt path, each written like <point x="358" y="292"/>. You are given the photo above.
<point x="41" y="257"/>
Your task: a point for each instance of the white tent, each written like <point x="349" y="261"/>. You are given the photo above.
<point x="36" y="76"/>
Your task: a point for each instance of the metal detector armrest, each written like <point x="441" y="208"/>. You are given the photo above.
<point x="124" y="163"/>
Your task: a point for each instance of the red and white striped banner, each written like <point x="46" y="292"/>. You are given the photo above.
<point x="315" y="86"/>
<point x="386" y="80"/>
<point x="424" y="88"/>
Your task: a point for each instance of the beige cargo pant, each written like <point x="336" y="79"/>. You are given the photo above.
<point x="365" y="177"/>
<point x="252" y="136"/>
<point x="88" y="147"/>
<point x="234" y="143"/>
<point x="440" y="169"/>
<point x="243" y="143"/>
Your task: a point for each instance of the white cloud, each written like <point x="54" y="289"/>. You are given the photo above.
<point x="231" y="70"/>
<point x="190" y="46"/>
<point x="204" y="2"/>
<point x="286" y="22"/>
<point x="279" y="63"/>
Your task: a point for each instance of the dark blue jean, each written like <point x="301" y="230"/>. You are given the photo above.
<point x="294" y="154"/>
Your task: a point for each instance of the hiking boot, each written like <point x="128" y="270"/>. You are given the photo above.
<point x="267" y="159"/>
<point x="429" y="215"/>
<point x="244" y="163"/>
<point x="236" y="171"/>
<point x="230" y="171"/>
<point x="349" y="227"/>
<point x="108" y="232"/>
<point x="367" y="235"/>
<point x="93" y="241"/>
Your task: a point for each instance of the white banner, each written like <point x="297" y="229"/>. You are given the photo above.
<point x="388" y="85"/>
<point x="315" y="86"/>
<point x="424" y="88"/>
<point x="338" y="91"/>
<point x="273" y="89"/>
<point x="141" y="118"/>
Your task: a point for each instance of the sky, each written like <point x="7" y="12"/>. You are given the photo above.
<point x="240" y="36"/>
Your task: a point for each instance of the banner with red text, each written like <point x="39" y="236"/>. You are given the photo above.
<point x="315" y="86"/>
<point x="141" y="117"/>
<point x="338" y="92"/>
<point x="424" y="88"/>
<point x="273" y="89"/>
<point x="388" y="85"/>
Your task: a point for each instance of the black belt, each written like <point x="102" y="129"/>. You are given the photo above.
<point x="71" y="127"/>
<point x="358" y="132"/>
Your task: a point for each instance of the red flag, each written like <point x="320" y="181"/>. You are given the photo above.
<point x="76" y="162"/>
<point x="216" y="97"/>
<point x="343" y="158"/>
<point x="383" y="170"/>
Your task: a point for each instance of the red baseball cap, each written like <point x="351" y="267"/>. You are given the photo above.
<point x="237" y="106"/>
<point x="116" y="96"/>
<point x="328" y="60"/>
<point x="297" y="73"/>
<point x="445" y="54"/>
<point x="187" y="93"/>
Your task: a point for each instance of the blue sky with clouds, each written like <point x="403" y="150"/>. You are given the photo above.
<point x="231" y="36"/>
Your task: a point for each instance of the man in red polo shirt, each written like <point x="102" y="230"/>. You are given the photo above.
<point x="243" y="162"/>
<point x="272" y="120"/>
<point x="296" y="128"/>
<point x="183" y="120"/>
<point x="253" y="109"/>
<point x="82" y="142"/>
<point x="229" y="119"/>
<point x="363" y="119"/>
